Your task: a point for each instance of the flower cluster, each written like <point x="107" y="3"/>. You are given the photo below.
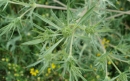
<point x="53" y="66"/>
<point x="105" y="42"/>
<point x="34" y="72"/>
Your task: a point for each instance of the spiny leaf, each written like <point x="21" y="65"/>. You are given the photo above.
<point x="34" y="63"/>
<point x="51" y="48"/>
<point x="37" y="41"/>
<point x="86" y="15"/>
<point x="47" y="21"/>
<point x="56" y="19"/>
<point x="38" y="27"/>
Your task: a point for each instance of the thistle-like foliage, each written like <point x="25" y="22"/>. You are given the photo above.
<point x="82" y="39"/>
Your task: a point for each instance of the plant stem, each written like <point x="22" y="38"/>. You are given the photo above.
<point x="100" y="41"/>
<point x="114" y="65"/>
<point x="106" y="69"/>
<point x="117" y="15"/>
<point x="117" y="11"/>
<point x="119" y="59"/>
<point x="71" y="43"/>
<point x="20" y="3"/>
<point x="116" y="48"/>
<point x="25" y="12"/>
<point x="41" y="6"/>
<point x="60" y="3"/>
<point x="52" y="7"/>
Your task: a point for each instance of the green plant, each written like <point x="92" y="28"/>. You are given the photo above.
<point x="75" y="42"/>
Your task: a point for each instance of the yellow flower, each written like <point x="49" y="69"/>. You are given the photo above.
<point x="53" y="66"/>
<point x="109" y="62"/>
<point x="32" y="69"/>
<point x="91" y="66"/>
<point x="121" y="8"/>
<point x="46" y="74"/>
<point x="49" y="70"/>
<point x="98" y="76"/>
<point x="98" y="55"/>
<point x="105" y="42"/>
<point x="46" y="3"/>
<point x="36" y="71"/>
<point x="33" y="72"/>
<point x="118" y="2"/>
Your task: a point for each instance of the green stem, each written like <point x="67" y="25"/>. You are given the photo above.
<point x="114" y="65"/>
<point x="70" y="52"/>
<point x="106" y="70"/>
<point x="119" y="59"/>
<point x="100" y="41"/>
<point x="20" y="3"/>
<point x="116" y="48"/>
<point x="60" y="3"/>
<point x="40" y="6"/>
<point x="25" y="12"/>
<point x="52" y="7"/>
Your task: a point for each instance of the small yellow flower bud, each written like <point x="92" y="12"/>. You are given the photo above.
<point x="118" y="2"/>
<point x="46" y="74"/>
<point x="98" y="55"/>
<point x="109" y="62"/>
<point x="46" y="3"/>
<point x="33" y="72"/>
<point x="98" y="76"/>
<point x="121" y="8"/>
<point x="53" y="66"/>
